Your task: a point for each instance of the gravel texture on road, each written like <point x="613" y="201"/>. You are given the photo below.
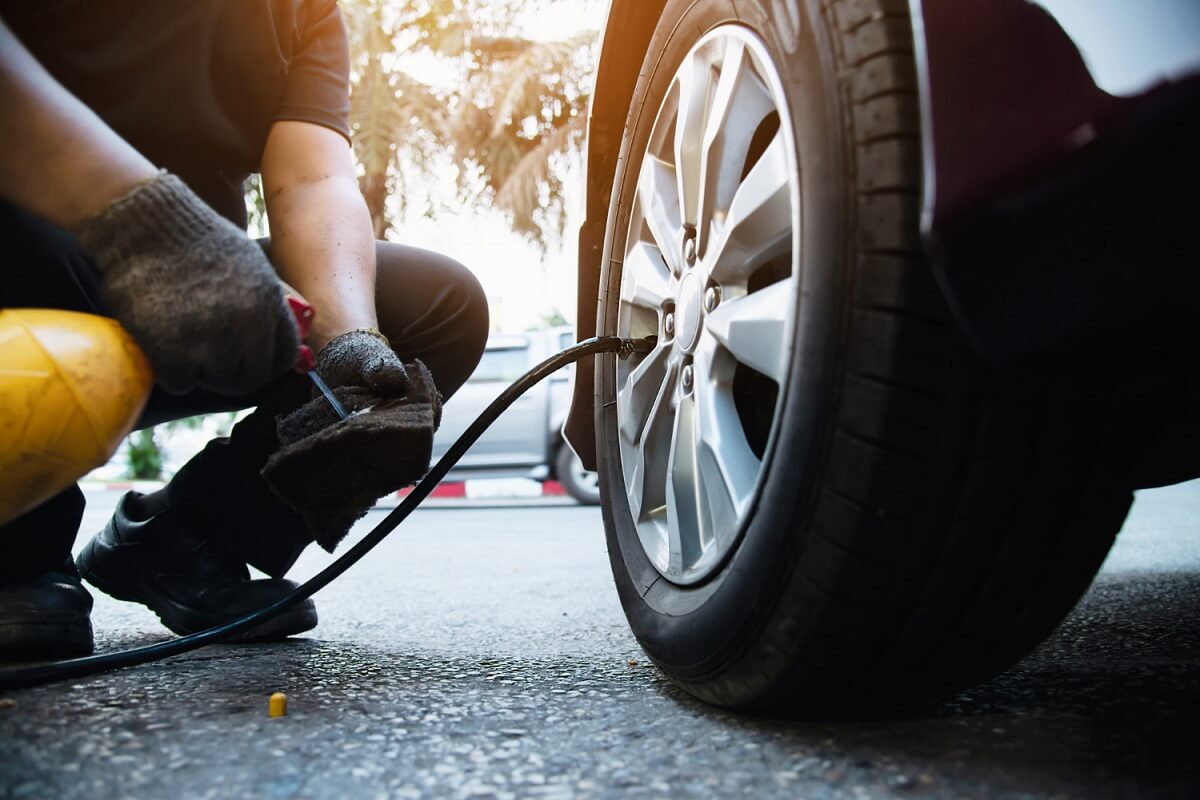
<point x="482" y="653"/>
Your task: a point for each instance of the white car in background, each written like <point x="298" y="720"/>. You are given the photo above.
<point x="526" y="441"/>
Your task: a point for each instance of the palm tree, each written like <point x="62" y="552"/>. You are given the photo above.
<point x="517" y="104"/>
<point x="397" y="123"/>
<point x="526" y="104"/>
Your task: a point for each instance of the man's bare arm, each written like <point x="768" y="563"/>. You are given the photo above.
<point x="322" y="242"/>
<point x="57" y="158"/>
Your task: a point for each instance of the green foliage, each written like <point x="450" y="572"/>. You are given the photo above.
<point x="256" y="207"/>
<point x="554" y="319"/>
<point x="146" y="461"/>
<point x="145" y="457"/>
<point x="525" y="104"/>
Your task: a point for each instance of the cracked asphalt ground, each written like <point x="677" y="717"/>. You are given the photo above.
<point x="482" y="653"/>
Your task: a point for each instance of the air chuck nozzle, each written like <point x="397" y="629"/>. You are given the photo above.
<point x="631" y="346"/>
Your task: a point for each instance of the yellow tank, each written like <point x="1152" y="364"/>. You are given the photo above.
<point x="72" y="386"/>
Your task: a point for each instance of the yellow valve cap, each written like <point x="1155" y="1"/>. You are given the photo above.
<point x="277" y="705"/>
<point x="72" y="386"/>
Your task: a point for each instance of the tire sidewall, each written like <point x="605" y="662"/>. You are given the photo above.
<point x="698" y="631"/>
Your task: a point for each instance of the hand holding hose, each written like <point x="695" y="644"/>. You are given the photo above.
<point x="370" y="435"/>
<point x="363" y="358"/>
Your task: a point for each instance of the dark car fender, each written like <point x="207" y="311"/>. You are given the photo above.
<point x="1060" y="166"/>
<point x="626" y="39"/>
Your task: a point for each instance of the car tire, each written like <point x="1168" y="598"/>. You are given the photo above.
<point x="580" y="483"/>
<point x="919" y="520"/>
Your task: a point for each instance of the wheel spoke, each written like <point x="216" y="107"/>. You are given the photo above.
<point x="759" y="223"/>
<point x="648" y="476"/>
<point x="723" y="97"/>
<point x="636" y="399"/>
<point x="740" y="104"/>
<point x="645" y="278"/>
<point x="715" y="137"/>
<point x="729" y="468"/>
<point x="684" y="520"/>
<point x="694" y="78"/>
<point x="659" y="200"/>
<point x="754" y="328"/>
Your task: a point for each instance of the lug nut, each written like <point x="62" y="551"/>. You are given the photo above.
<point x="669" y="324"/>
<point x="712" y="298"/>
<point x="689" y="251"/>
<point x="688" y="377"/>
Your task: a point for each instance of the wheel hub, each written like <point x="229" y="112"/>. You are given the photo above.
<point x="688" y="313"/>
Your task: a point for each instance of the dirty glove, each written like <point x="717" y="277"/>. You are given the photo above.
<point x="194" y="291"/>
<point x="363" y="358"/>
<point x="332" y="471"/>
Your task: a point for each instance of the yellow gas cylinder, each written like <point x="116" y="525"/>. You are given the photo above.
<point x="72" y="386"/>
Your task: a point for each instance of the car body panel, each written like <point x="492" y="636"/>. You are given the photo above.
<point x="625" y="40"/>
<point x="524" y="440"/>
<point x="1059" y="160"/>
<point x="1010" y="88"/>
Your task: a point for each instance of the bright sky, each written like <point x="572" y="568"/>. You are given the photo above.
<point x="563" y="18"/>
<point x="523" y="287"/>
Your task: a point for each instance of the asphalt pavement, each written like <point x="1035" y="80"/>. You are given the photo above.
<point x="481" y="652"/>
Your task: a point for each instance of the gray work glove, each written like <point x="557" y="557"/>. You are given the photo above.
<point x="363" y="358"/>
<point x="197" y="294"/>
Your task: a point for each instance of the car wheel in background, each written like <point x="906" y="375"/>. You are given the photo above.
<point x="581" y="483"/>
<point x="816" y="495"/>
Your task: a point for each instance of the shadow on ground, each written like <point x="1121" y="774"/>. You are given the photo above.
<point x="1106" y="707"/>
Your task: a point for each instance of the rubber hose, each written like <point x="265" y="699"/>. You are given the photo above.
<point x="91" y="665"/>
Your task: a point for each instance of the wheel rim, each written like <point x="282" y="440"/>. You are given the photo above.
<point x="710" y="268"/>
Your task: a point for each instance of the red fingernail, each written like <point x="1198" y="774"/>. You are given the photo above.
<point x="305" y="362"/>
<point x="303" y="312"/>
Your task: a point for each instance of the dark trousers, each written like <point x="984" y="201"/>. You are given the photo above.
<point x="429" y="306"/>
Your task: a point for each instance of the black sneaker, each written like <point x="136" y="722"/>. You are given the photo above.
<point x="153" y="559"/>
<point x="45" y="617"/>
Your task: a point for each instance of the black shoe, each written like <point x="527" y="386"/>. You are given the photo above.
<point x="45" y="617"/>
<point x="153" y="559"/>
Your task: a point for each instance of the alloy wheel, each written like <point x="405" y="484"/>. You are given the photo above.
<point x="710" y="269"/>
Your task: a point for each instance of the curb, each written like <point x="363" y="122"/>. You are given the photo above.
<point x="493" y="489"/>
<point x="482" y="489"/>
<point x="121" y="486"/>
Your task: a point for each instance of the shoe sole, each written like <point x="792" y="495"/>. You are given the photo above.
<point x="61" y="635"/>
<point x="102" y="567"/>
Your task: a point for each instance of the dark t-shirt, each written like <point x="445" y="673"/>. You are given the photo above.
<point x="195" y="84"/>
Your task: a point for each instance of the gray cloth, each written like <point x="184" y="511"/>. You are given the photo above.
<point x="196" y="293"/>
<point x="332" y="471"/>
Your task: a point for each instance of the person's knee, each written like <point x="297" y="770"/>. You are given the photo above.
<point x="466" y="326"/>
<point x="433" y="308"/>
<point x="474" y="314"/>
